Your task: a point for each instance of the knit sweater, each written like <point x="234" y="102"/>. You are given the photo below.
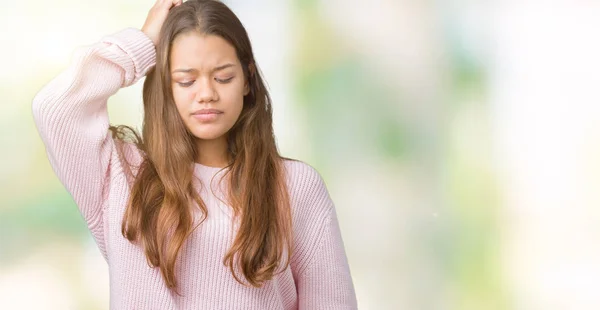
<point x="70" y="113"/>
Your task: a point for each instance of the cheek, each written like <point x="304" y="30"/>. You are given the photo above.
<point x="235" y="94"/>
<point x="181" y="101"/>
<point x="234" y="104"/>
<point x="188" y="95"/>
<point x="182" y="95"/>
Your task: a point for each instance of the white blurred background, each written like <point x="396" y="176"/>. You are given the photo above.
<point x="460" y="141"/>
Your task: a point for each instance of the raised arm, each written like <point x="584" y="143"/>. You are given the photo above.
<point x="71" y="116"/>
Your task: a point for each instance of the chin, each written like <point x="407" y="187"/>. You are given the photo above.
<point x="204" y="135"/>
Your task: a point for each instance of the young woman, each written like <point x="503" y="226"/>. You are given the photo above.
<point x="200" y="211"/>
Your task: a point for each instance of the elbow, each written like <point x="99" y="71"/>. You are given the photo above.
<point x="44" y="110"/>
<point x="37" y="108"/>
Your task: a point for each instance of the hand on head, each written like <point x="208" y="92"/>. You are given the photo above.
<point x="156" y="18"/>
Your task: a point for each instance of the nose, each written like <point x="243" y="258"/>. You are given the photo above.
<point x="205" y="92"/>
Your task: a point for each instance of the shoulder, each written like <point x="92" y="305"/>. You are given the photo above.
<point x="128" y="158"/>
<point x="304" y="179"/>
<point x="312" y="212"/>
<point x="309" y="195"/>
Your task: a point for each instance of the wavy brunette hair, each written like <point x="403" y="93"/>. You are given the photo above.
<point x="158" y="215"/>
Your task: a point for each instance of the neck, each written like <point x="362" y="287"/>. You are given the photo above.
<point x="213" y="153"/>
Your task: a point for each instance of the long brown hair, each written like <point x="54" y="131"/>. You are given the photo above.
<point x="158" y="215"/>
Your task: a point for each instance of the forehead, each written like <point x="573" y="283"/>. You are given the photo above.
<point x="201" y="52"/>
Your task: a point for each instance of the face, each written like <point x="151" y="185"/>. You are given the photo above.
<point x="207" y="75"/>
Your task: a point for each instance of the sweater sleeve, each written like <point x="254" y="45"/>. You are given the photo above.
<point x="70" y="114"/>
<point x="323" y="278"/>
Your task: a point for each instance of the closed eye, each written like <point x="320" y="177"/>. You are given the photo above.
<point x="222" y="81"/>
<point x="187" y="84"/>
<point x="225" y="81"/>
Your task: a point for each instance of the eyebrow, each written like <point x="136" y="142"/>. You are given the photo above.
<point x="213" y="70"/>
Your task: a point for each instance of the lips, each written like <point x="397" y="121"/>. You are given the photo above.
<point x="207" y="111"/>
<point x="207" y="115"/>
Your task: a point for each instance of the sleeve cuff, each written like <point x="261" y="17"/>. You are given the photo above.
<point x="138" y="46"/>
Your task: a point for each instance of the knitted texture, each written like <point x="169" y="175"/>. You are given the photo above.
<point x="70" y="114"/>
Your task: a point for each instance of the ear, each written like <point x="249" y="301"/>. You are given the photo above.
<point x="246" y="88"/>
<point x="251" y="72"/>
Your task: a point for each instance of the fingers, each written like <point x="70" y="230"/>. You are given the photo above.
<point x="167" y="4"/>
<point x="156" y="17"/>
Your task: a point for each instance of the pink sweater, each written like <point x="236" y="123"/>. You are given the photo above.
<point x="71" y="117"/>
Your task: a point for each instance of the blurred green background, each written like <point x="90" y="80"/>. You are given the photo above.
<point x="460" y="141"/>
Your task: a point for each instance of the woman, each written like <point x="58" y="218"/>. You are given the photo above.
<point x="200" y="212"/>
